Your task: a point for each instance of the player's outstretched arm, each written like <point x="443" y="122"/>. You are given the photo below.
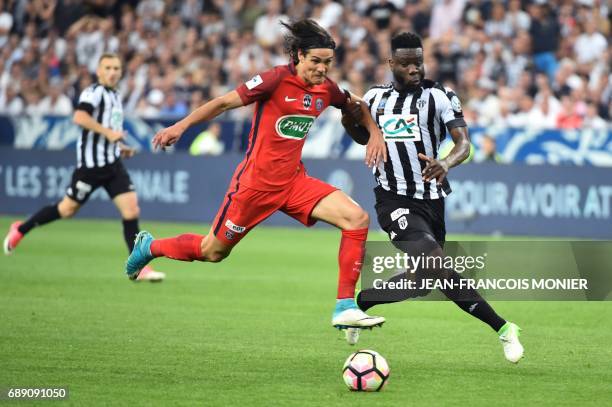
<point x="85" y="120"/>
<point x="206" y="112"/>
<point x="376" y="151"/>
<point x="437" y="169"/>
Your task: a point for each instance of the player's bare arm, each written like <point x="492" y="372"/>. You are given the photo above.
<point x="359" y="124"/>
<point x="351" y="119"/>
<point x="206" y="112"/>
<point x="437" y="169"/>
<point x="85" y="120"/>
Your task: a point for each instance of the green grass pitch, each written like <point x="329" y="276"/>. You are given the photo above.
<point x="255" y="330"/>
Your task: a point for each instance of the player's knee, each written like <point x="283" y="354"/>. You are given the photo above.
<point x="132" y="212"/>
<point x="67" y="210"/>
<point x="357" y="219"/>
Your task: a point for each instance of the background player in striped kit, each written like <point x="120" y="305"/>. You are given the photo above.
<point x="99" y="152"/>
<point x="414" y="115"/>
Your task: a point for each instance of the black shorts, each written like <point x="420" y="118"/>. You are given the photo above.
<point x="113" y="177"/>
<point x="411" y="220"/>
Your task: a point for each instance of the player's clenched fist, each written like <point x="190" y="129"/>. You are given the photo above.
<point x="167" y="136"/>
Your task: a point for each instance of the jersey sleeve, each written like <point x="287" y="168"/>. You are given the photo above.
<point x="369" y="97"/>
<point x="448" y="106"/>
<point x="260" y="87"/>
<point x="338" y="95"/>
<point x="90" y="99"/>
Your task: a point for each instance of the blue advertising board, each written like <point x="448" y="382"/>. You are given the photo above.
<point x="487" y="198"/>
<point x="326" y="139"/>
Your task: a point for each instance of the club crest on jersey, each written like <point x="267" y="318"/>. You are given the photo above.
<point x="420" y="104"/>
<point x="307" y="101"/>
<point x="294" y="126"/>
<point x="319" y="104"/>
<point x="229" y="235"/>
<point x="400" y="127"/>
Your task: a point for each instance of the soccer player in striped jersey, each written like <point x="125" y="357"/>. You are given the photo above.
<point x="414" y="115"/>
<point x="271" y="177"/>
<point x="99" y="152"/>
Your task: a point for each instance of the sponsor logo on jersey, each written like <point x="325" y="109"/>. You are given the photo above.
<point x="294" y="126"/>
<point x="319" y="104"/>
<point x="307" y="101"/>
<point x="403" y="223"/>
<point x="400" y="127"/>
<point x="288" y="99"/>
<point x="399" y="212"/>
<point x="254" y="82"/>
<point x="238" y="229"/>
<point x="392" y="235"/>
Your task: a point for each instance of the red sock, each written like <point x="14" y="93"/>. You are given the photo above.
<point x="350" y="259"/>
<point x="187" y="247"/>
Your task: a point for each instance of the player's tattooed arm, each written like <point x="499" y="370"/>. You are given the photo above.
<point x="438" y="169"/>
<point x="208" y="111"/>
<point x="376" y="150"/>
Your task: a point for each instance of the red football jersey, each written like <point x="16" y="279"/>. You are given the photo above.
<point x="285" y="109"/>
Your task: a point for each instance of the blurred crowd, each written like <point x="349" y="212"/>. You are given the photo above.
<point x="513" y="63"/>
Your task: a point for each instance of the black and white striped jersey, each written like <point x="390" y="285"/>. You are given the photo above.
<point x="104" y="105"/>
<point x="413" y="123"/>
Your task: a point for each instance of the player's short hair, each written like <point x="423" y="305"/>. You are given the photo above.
<point x="304" y="35"/>
<point x="406" y="40"/>
<point x="108" y="55"/>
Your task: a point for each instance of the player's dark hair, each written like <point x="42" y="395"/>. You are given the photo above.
<point x="304" y="35"/>
<point x="406" y="40"/>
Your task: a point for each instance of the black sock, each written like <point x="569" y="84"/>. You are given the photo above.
<point x="471" y="302"/>
<point x="42" y="217"/>
<point x="467" y="299"/>
<point x="130" y="230"/>
<point x="370" y="297"/>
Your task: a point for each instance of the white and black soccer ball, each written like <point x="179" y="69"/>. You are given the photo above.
<point x="365" y="370"/>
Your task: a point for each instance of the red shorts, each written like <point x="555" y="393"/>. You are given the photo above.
<point x="244" y="208"/>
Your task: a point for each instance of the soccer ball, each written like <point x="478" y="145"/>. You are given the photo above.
<point x="365" y="370"/>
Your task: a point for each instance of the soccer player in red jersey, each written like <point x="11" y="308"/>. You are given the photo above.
<point x="272" y="177"/>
